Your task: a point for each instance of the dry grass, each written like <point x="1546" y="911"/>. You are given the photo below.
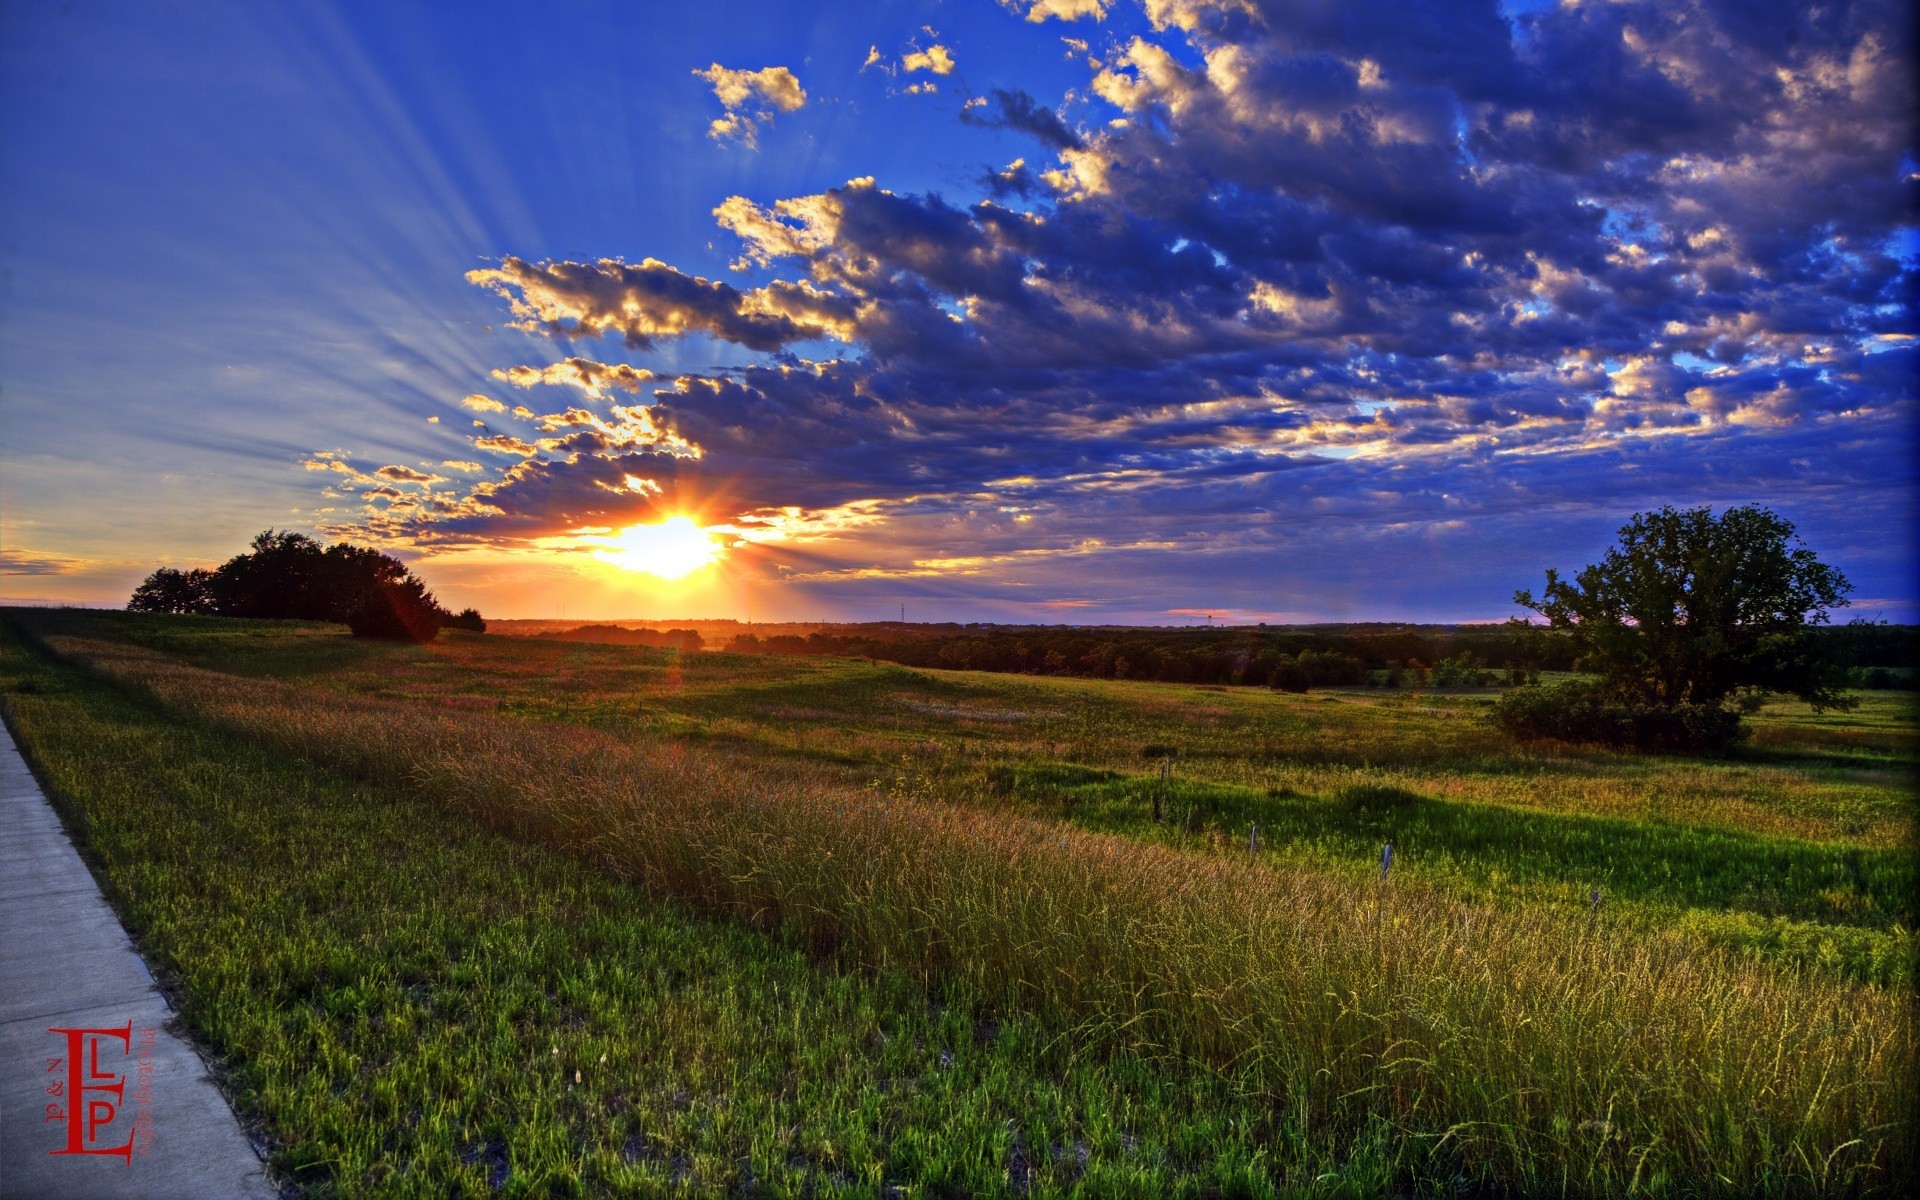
<point x="1545" y="1052"/>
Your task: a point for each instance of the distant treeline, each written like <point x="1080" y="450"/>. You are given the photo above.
<point x="619" y="635"/>
<point x="1292" y="659"/>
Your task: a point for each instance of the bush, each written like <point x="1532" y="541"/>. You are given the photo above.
<point x="468" y="619"/>
<point x="1585" y="712"/>
<point x="397" y="614"/>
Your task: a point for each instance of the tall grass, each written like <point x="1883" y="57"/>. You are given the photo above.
<point x="1537" y="1051"/>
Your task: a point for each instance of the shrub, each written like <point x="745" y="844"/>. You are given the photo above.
<point x="1289" y="676"/>
<point x="1585" y="712"/>
<point x="396" y="613"/>
<point x="468" y="619"/>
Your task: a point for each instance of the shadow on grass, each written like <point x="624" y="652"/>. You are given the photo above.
<point x="1647" y="861"/>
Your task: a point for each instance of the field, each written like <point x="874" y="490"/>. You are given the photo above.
<point x="530" y="917"/>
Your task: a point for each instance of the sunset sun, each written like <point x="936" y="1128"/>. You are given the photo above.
<point x="672" y="549"/>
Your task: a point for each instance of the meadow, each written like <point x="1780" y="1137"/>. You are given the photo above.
<point x="831" y="925"/>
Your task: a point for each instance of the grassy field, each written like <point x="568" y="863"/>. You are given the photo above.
<point x="850" y="927"/>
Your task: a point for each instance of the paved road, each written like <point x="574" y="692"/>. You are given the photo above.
<point x="66" y="964"/>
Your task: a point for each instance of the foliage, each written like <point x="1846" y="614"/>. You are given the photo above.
<point x="468" y="619"/>
<point x="1589" y="712"/>
<point x="171" y="591"/>
<point x="285" y="575"/>
<point x="1690" y="607"/>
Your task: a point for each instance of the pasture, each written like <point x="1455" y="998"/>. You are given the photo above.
<point x="532" y="917"/>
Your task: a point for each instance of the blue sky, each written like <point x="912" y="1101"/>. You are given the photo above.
<point x="1279" y="311"/>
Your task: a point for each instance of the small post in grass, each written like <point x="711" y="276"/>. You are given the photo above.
<point x="1386" y="861"/>
<point x="1253" y="839"/>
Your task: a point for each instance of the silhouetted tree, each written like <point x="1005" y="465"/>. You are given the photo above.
<point x="1689" y="607"/>
<point x="171" y="591"/>
<point x="285" y="575"/>
<point x="468" y="619"/>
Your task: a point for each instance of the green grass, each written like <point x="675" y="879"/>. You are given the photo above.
<point x="1799" y="849"/>
<point x="401" y="1003"/>
<point x="966" y="863"/>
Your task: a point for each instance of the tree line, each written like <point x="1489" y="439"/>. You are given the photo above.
<point x="687" y="640"/>
<point x="290" y="576"/>
<point x="1689" y="621"/>
<point x="1289" y="659"/>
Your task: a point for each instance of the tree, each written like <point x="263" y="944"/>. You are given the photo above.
<point x="468" y="619"/>
<point x="377" y="596"/>
<point x="1689" y="607"/>
<point x="171" y="591"/>
<point x="279" y="577"/>
<point x="285" y="575"/>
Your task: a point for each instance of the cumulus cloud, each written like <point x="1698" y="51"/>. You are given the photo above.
<point x="776" y="87"/>
<point x="1037" y="11"/>
<point x="506" y="443"/>
<point x="1295" y="269"/>
<point x="596" y="379"/>
<point x="750" y="98"/>
<point x="651" y="300"/>
<point x="935" y="58"/>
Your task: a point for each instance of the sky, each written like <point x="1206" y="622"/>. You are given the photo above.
<point x="1058" y="311"/>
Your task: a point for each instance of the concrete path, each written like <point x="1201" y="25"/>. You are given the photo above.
<point x="65" y="964"/>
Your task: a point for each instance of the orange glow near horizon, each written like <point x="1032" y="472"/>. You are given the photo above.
<point x="672" y="549"/>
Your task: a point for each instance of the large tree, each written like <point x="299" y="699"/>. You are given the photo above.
<point x="291" y="576"/>
<point x="1690" y="607"/>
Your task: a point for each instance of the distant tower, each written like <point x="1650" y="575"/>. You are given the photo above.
<point x="903" y="614"/>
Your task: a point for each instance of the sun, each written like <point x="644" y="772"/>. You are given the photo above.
<point x="672" y="549"/>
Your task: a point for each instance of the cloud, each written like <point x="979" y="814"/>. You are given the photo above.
<point x="479" y="403"/>
<point x="1014" y="109"/>
<point x="776" y="87"/>
<point x="15" y="561"/>
<point x="505" y="443"/>
<point x="651" y="300"/>
<point x="1300" y="281"/>
<point x="935" y="58"/>
<point x="750" y="99"/>
<point x="596" y="379"/>
<point x="1037" y="11"/>
<point x="399" y="474"/>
